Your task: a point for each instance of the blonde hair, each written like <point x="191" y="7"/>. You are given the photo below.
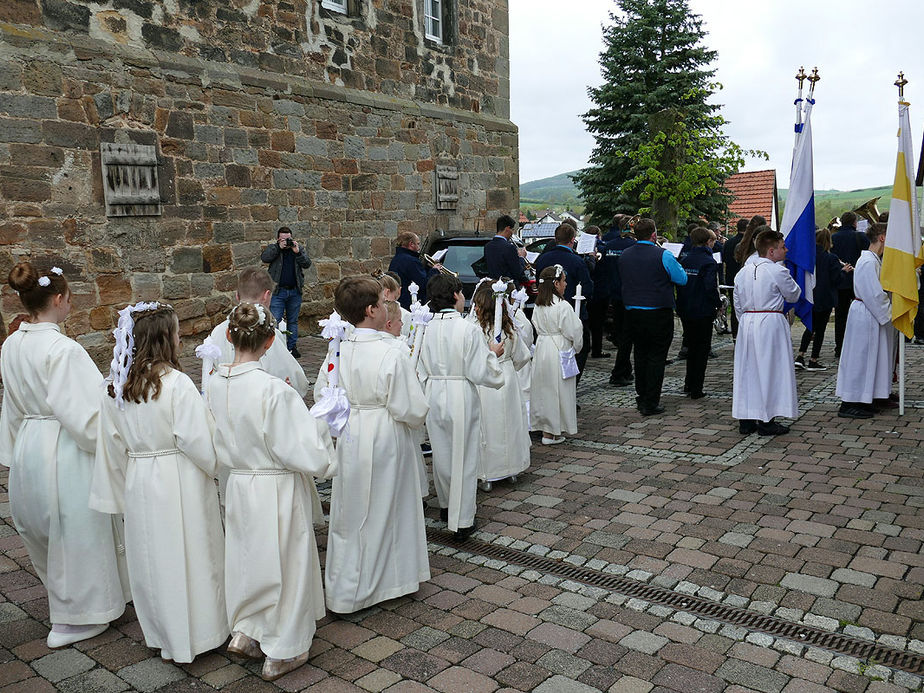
<point x="392" y="309"/>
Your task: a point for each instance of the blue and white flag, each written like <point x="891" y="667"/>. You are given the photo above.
<point x="798" y="225"/>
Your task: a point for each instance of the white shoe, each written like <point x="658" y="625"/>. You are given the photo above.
<point x="554" y="440"/>
<point x="74" y="634"/>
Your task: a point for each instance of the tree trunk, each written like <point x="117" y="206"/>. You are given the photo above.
<point x="663" y="211"/>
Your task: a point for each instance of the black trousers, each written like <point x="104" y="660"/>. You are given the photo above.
<point x="844" y="299"/>
<point x="581" y="356"/>
<point x="919" y="318"/>
<point x="817" y="335"/>
<point x="623" y="342"/>
<point x="651" y="332"/>
<point x="596" y="318"/>
<point x="698" y="335"/>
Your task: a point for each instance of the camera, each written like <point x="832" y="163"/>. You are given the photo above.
<point x="288" y="242"/>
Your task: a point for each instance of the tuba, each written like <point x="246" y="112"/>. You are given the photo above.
<point x="868" y="210"/>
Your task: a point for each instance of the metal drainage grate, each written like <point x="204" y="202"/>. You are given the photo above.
<point x="771" y="625"/>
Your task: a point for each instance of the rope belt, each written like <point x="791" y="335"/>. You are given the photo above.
<point x="262" y="472"/>
<point x="446" y="377"/>
<point x="362" y="407"/>
<point x="153" y="453"/>
<point x="39" y="417"/>
<point x="764" y="311"/>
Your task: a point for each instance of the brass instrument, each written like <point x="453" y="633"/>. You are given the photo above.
<point x="869" y="211"/>
<point x="518" y="242"/>
<point x="633" y="221"/>
<point x="433" y="263"/>
<point x="834" y="224"/>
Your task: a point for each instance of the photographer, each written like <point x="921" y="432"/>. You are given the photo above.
<point x="287" y="262"/>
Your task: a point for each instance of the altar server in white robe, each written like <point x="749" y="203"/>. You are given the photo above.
<point x="392" y="285"/>
<point x="48" y="438"/>
<point x="525" y="374"/>
<point x="504" y="433"/>
<point x="864" y="374"/>
<point x="553" y="398"/>
<point x="155" y="463"/>
<point x="454" y="361"/>
<point x="265" y="435"/>
<point x="376" y="544"/>
<point x="764" y="375"/>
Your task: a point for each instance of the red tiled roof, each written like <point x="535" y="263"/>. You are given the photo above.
<point x="754" y="193"/>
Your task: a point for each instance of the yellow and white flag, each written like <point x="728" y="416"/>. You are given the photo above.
<point x="903" y="252"/>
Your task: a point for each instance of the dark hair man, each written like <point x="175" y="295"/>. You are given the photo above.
<point x="502" y="257"/>
<point x="287" y="264"/>
<point x="847" y="243"/>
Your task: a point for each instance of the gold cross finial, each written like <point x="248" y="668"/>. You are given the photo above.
<point x="801" y="76"/>
<point x="900" y="83"/>
<point x="814" y="76"/>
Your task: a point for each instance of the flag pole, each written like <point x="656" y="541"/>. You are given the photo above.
<point x="900" y="83"/>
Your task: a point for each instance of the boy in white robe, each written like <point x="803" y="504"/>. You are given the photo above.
<point x="765" y="377"/>
<point x="48" y="438"/>
<point x="265" y="435"/>
<point x="376" y="544"/>
<point x="864" y="375"/>
<point x="454" y="359"/>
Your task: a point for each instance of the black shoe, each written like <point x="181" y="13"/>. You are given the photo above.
<point x="652" y="411"/>
<point x="885" y="403"/>
<point x="426" y="449"/>
<point x="919" y="340"/>
<point x="601" y="355"/>
<point x="799" y="362"/>
<point x="852" y="411"/>
<point x="747" y="426"/>
<point x="682" y="356"/>
<point x="296" y="353"/>
<point x="466" y="532"/>
<point x="814" y="365"/>
<point x="578" y="407"/>
<point x="620" y="382"/>
<point x="697" y="395"/>
<point x="668" y="362"/>
<point x="686" y="389"/>
<point x="771" y="428"/>
<point x="444" y="514"/>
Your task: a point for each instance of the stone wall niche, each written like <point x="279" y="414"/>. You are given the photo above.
<point x="130" y="180"/>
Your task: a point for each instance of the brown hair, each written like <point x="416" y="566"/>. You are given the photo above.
<point x="248" y="329"/>
<point x="394" y="275"/>
<point x="874" y="231"/>
<point x="766" y="238"/>
<point x="24" y="279"/>
<point x="547" y="278"/>
<point x="441" y="292"/>
<point x="155" y="352"/>
<point x="564" y="234"/>
<point x="252" y="283"/>
<point x="388" y="282"/>
<point x="353" y="295"/>
<point x="823" y="238"/>
<point x="405" y="238"/>
<point x="643" y="228"/>
<point x="746" y="246"/>
<point x="483" y="300"/>
<point x="848" y="219"/>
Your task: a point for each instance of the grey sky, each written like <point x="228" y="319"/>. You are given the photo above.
<point x="858" y="46"/>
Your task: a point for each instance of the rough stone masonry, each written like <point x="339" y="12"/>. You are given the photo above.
<point x="262" y="113"/>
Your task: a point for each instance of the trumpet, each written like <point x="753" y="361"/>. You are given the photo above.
<point x="433" y="263"/>
<point x="633" y="220"/>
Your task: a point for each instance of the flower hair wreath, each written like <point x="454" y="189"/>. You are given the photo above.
<point x="123" y="352"/>
<point x="559" y="273"/>
<point x="266" y="318"/>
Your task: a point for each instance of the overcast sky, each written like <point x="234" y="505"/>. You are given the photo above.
<point x="859" y="47"/>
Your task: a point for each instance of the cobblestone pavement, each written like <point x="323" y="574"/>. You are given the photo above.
<point x="822" y="526"/>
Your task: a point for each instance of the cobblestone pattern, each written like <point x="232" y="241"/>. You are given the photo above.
<point x="822" y="526"/>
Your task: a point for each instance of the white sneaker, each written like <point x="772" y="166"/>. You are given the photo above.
<point x="57" y="639"/>
<point x="554" y="440"/>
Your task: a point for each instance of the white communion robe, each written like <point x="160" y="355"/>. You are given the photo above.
<point x="265" y="435"/>
<point x="376" y="544"/>
<point x="764" y="375"/>
<point x="553" y="399"/>
<point x="155" y="462"/>
<point x="48" y="438"/>
<point x="454" y="360"/>
<point x="525" y="374"/>
<point x="868" y="356"/>
<point x="504" y="431"/>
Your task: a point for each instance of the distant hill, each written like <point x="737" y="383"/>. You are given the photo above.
<point x="557" y="190"/>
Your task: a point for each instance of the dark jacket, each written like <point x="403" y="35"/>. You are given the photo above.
<point x="847" y="243"/>
<point x="407" y="265"/>
<point x="502" y="260"/>
<point x="829" y="278"/>
<point x="273" y="255"/>
<point x="575" y="269"/>
<point x="700" y="297"/>
<point x="728" y="258"/>
<point x="611" y="252"/>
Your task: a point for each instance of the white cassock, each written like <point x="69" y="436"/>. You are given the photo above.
<point x="868" y="355"/>
<point x="155" y="463"/>
<point x="405" y="324"/>
<point x="525" y="374"/>
<point x="454" y="359"/>
<point x="265" y="435"/>
<point x="376" y="544"/>
<point x="553" y="399"/>
<point x="765" y="378"/>
<point x="48" y="427"/>
<point x="504" y="432"/>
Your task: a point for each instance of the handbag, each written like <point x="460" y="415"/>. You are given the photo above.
<point x="569" y="367"/>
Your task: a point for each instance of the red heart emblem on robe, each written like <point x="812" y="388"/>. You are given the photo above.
<point x="330" y="367"/>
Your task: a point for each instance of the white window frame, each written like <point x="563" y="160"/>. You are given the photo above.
<point x="336" y="6"/>
<point x="433" y="19"/>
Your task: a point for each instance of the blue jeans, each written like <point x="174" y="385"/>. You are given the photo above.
<point x="285" y="304"/>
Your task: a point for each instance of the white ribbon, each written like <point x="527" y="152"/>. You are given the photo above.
<point x="123" y="352"/>
<point x="500" y="290"/>
<point x="419" y="319"/>
<point x="333" y="406"/>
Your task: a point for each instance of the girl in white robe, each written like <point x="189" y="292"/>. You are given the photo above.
<point x="376" y="543"/>
<point x="504" y="433"/>
<point x="155" y="463"/>
<point x="764" y="376"/>
<point x="525" y="374"/>
<point x="265" y="435"/>
<point x="47" y="438"/>
<point x="553" y="399"/>
<point x="868" y="356"/>
<point x="454" y="360"/>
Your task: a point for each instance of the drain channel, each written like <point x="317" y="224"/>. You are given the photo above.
<point x="699" y="606"/>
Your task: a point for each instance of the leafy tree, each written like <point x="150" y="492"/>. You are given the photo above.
<point x="654" y="59"/>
